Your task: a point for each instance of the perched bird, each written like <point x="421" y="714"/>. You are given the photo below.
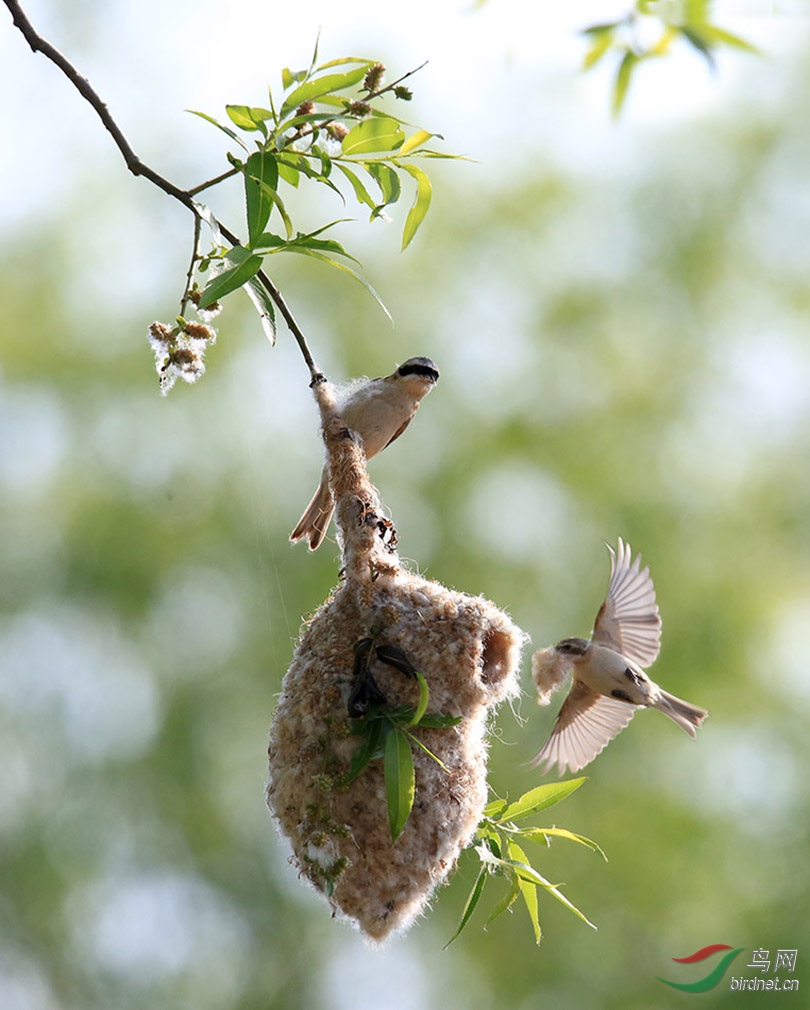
<point x="609" y="683"/>
<point x="379" y="411"/>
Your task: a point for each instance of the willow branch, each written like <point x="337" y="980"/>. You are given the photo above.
<point x="139" y="168"/>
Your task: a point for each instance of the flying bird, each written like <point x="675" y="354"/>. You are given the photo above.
<point x="608" y="683"/>
<point x="379" y="411"/>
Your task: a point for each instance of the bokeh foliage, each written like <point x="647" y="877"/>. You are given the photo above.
<point x="620" y="354"/>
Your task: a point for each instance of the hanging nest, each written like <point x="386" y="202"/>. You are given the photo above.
<point x="358" y="657"/>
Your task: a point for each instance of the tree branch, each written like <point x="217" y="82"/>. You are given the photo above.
<point x="138" y="168"/>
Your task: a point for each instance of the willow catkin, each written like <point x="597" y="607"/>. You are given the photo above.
<point x="468" y="651"/>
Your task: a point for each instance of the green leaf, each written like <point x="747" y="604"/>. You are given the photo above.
<point x="528" y="890"/>
<point x="289" y="77"/>
<point x="506" y="901"/>
<point x="261" y="179"/>
<point x="288" y="173"/>
<point x="418" y="743"/>
<point x="469" y="907"/>
<point x="629" y="60"/>
<point x="263" y="304"/>
<point x="276" y="244"/>
<point x="542" y="835"/>
<point x="528" y="874"/>
<point x="719" y="36"/>
<point x="495" y="808"/>
<point x="601" y="44"/>
<point x="229" y="280"/>
<point x="374" y="135"/>
<point x="416" y="140"/>
<point x="399" y="781"/>
<point x="225" y="129"/>
<point x="272" y="195"/>
<point x="422" y="704"/>
<point x="342" y="61"/>
<point x="361" y="193"/>
<point x="696" y="39"/>
<point x="243" y="116"/>
<point x="311" y="90"/>
<point x="316" y="254"/>
<point x="387" y="179"/>
<point x="601" y="28"/>
<point x="416" y="214"/>
<point x="540" y="798"/>
<point x="365" y="750"/>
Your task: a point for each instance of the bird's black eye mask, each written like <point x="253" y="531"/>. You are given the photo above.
<point x="420" y="366"/>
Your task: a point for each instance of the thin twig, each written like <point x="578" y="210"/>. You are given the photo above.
<point x="390" y="87"/>
<point x="138" y="168"/>
<point x="195" y="252"/>
<point x="213" y="182"/>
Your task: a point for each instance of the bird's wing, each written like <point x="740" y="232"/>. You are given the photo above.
<point x="586" y="724"/>
<point x="399" y="430"/>
<point x="628" y="621"/>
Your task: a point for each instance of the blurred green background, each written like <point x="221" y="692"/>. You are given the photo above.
<point x="620" y="313"/>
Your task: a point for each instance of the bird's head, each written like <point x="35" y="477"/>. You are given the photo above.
<point x="418" y="375"/>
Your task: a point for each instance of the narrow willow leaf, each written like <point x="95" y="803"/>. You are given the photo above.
<point x="288" y="173"/>
<point x="311" y="90"/>
<point x="269" y="240"/>
<point x="374" y="135"/>
<point x="528" y="874"/>
<point x="261" y="178"/>
<point x="240" y="115"/>
<point x="542" y="835"/>
<point x="719" y="36"/>
<point x="289" y="77"/>
<point x="225" y="129"/>
<point x="424" y="697"/>
<point x="316" y="254"/>
<point x="272" y="195"/>
<point x="387" y="179"/>
<point x="606" y="26"/>
<point x="421" y="203"/>
<point x="361" y="193"/>
<point x="229" y="280"/>
<point x="528" y="891"/>
<point x="415" y="141"/>
<point x="696" y="38"/>
<point x="626" y="66"/>
<point x="540" y="798"/>
<point x="399" y="781"/>
<point x="328" y="245"/>
<point x="601" y="43"/>
<point x="263" y="304"/>
<point x="495" y="808"/>
<point x="470" y="905"/>
<point x="506" y="901"/>
<point x="418" y="743"/>
<point x="342" y="61"/>
<point x="365" y="750"/>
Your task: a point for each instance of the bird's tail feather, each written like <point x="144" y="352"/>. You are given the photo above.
<point x="314" y="523"/>
<point x="686" y="715"/>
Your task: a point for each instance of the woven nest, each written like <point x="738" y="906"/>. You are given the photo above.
<point x="467" y="650"/>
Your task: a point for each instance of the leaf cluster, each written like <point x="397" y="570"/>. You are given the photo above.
<point x="498" y="843"/>
<point x="387" y="732"/>
<point x="686" y="20"/>
<point x="330" y="126"/>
